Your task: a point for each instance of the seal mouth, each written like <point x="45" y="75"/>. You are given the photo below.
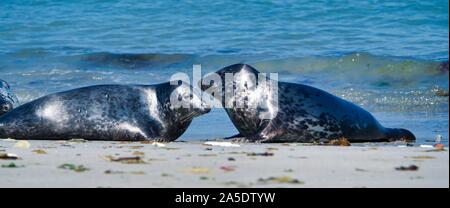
<point x="205" y="108"/>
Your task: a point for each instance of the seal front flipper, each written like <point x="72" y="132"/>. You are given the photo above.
<point x="234" y="136"/>
<point x="239" y="138"/>
<point x="394" y="134"/>
<point x="271" y="133"/>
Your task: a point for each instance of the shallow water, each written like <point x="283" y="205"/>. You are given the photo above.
<point x="391" y="58"/>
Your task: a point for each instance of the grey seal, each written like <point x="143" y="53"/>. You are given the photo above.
<point x="8" y="100"/>
<point x="303" y="113"/>
<point x="106" y="112"/>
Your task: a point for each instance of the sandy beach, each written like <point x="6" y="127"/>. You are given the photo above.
<point x="194" y="164"/>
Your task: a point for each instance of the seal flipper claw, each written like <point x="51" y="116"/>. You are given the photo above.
<point x="271" y="133"/>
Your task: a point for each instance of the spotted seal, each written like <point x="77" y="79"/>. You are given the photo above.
<point x="8" y="99"/>
<point x="299" y="113"/>
<point x="106" y="112"/>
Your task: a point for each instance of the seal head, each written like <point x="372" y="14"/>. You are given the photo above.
<point x="8" y="99"/>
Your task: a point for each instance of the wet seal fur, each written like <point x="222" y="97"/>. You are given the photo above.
<point x="305" y="114"/>
<point x="8" y="99"/>
<point x="105" y="112"/>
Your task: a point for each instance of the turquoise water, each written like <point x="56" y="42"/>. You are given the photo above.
<point x="389" y="57"/>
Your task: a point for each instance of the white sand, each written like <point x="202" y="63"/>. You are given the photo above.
<point x="190" y="164"/>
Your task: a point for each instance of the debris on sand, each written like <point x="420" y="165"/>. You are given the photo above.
<point x="137" y="172"/>
<point x="439" y="146"/>
<point x="298" y="157"/>
<point x="221" y="144"/>
<point x="78" y="140"/>
<point x="236" y="153"/>
<point x="156" y="159"/>
<point x="228" y="168"/>
<point x="67" y="145"/>
<point x="137" y="153"/>
<point x="408" y="168"/>
<point x="265" y="154"/>
<point x="165" y="175"/>
<point x="272" y="149"/>
<point x="9" y="156"/>
<point x="114" y="172"/>
<point x="436" y="148"/>
<point x="161" y="145"/>
<point x="156" y="144"/>
<point x="199" y="170"/>
<point x="76" y="168"/>
<point x="12" y="165"/>
<point x="39" y="151"/>
<point x="171" y="148"/>
<point x="422" y="157"/>
<point x="207" y="155"/>
<point x="288" y="170"/>
<point x="22" y="144"/>
<point x="231" y="159"/>
<point x="123" y="172"/>
<point x="282" y="179"/>
<point x="125" y="160"/>
<point x="136" y="147"/>
<point x="340" y="142"/>
<point x="360" y="170"/>
<point x="237" y="184"/>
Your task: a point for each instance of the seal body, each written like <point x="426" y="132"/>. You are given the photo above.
<point x="8" y="99"/>
<point x="300" y="113"/>
<point x="105" y="112"/>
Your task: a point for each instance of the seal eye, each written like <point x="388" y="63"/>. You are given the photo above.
<point x="5" y="108"/>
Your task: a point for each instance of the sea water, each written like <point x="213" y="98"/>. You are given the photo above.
<point x="389" y="57"/>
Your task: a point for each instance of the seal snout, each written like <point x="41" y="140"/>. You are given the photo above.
<point x="400" y="134"/>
